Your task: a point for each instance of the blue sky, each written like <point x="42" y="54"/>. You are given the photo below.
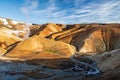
<point x="61" y="11"/>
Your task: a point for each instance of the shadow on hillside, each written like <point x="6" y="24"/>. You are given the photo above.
<point x="52" y="63"/>
<point x="79" y="38"/>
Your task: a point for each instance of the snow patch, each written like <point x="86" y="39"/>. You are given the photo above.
<point x="16" y="22"/>
<point x="16" y="32"/>
<point x="4" y="21"/>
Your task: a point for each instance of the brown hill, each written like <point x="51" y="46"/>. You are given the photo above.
<point x="53" y="45"/>
<point x="7" y="38"/>
<point x="38" y="50"/>
<point x="50" y="29"/>
<point x="12" y="32"/>
<point x="38" y="47"/>
<point x="90" y="38"/>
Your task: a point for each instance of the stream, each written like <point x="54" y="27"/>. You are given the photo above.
<point x="80" y="69"/>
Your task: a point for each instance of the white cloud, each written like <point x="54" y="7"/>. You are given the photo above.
<point x="104" y="12"/>
<point x="90" y="13"/>
<point x="50" y="12"/>
<point x="78" y="2"/>
<point x="24" y="10"/>
<point x="34" y="4"/>
<point x="29" y="6"/>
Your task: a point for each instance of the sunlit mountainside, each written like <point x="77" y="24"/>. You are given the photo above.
<point x="59" y="52"/>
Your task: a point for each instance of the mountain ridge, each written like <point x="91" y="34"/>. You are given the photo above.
<point x="57" y="45"/>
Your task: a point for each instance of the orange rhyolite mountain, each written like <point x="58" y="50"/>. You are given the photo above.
<point x="37" y="47"/>
<point x="50" y="44"/>
<point x="87" y="38"/>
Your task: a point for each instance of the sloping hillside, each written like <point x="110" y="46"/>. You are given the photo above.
<point x="58" y="51"/>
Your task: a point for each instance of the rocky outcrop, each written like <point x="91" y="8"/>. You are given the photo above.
<point x="107" y="60"/>
<point x="109" y="64"/>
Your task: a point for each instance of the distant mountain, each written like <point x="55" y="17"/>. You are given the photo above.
<point x="9" y="23"/>
<point x="12" y="31"/>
